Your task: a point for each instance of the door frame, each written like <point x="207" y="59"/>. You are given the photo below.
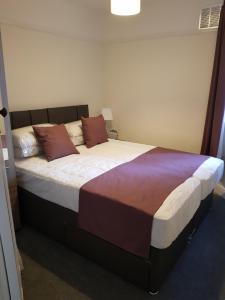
<point x="7" y="232"/>
<point x="4" y="287"/>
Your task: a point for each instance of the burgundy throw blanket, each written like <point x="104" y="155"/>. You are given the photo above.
<point x="118" y="206"/>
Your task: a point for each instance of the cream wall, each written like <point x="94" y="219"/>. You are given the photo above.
<point x="158" y="89"/>
<point x="46" y="70"/>
<point x="153" y="69"/>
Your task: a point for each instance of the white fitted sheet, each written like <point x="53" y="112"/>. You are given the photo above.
<point x="59" y="181"/>
<point x="209" y="174"/>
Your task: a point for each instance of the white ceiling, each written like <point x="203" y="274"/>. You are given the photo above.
<point x="104" y="5"/>
<point x="91" y="19"/>
<point x="100" y="4"/>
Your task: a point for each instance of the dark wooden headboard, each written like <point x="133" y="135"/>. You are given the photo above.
<point x="56" y="115"/>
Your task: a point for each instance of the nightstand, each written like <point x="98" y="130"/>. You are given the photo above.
<point x="113" y="134"/>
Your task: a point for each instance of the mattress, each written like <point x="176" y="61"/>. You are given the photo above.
<point x="59" y="181"/>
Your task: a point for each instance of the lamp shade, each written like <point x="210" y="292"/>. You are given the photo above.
<point x="107" y="114"/>
<point x="125" y="7"/>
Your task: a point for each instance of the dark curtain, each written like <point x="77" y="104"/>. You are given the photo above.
<point x="216" y="104"/>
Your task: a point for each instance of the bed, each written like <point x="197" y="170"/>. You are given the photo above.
<point x="49" y="198"/>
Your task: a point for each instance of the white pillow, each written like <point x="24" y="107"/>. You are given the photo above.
<point x="75" y="132"/>
<point x="25" y="142"/>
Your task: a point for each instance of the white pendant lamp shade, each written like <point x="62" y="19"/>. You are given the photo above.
<point x="125" y="7"/>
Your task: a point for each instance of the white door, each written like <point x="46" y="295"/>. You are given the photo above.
<point x="10" y="280"/>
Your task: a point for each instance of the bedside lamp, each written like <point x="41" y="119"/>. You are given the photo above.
<point x="107" y="114"/>
<point x="108" y="117"/>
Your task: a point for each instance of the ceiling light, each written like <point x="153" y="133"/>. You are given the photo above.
<point x="125" y="7"/>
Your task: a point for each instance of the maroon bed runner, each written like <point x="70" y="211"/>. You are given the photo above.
<point x="118" y="206"/>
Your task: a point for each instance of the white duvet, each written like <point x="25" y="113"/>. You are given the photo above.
<point x="59" y="181"/>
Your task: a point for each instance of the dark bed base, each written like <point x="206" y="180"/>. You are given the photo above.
<point x="61" y="224"/>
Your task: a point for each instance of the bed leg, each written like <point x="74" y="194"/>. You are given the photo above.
<point x="153" y="293"/>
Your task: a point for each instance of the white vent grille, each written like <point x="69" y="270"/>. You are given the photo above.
<point x="210" y="17"/>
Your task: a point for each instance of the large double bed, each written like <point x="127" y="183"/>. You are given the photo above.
<point x="49" y="194"/>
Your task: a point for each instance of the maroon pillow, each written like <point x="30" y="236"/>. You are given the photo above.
<point x="94" y="131"/>
<point x="55" y="141"/>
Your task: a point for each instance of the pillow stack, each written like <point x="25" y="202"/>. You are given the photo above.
<point x="75" y="132"/>
<point x="56" y="141"/>
<point x="25" y="142"/>
<point x="94" y="131"/>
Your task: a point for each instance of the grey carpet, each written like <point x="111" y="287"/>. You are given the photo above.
<point x="54" y="272"/>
